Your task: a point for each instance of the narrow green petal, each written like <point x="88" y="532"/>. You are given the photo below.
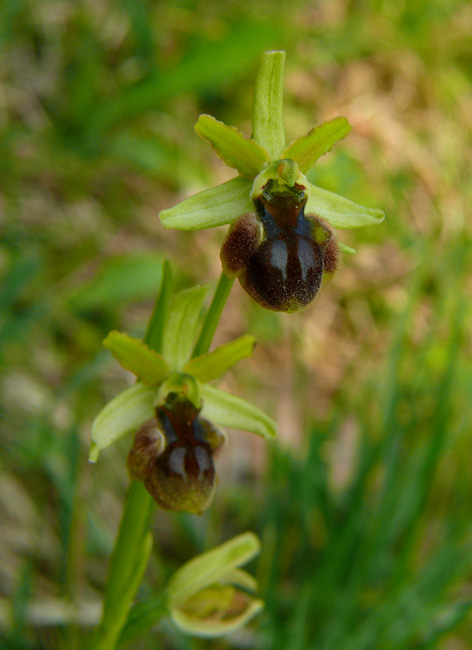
<point x="211" y="567"/>
<point x="124" y="414"/>
<point x="239" y="578"/>
<point x="341" y="212"/>
<point x="181" y="326"/>
<point x="213" y="628"/>
<point x="209" y="366"/>
<point x="346" y="249"/>
<point x="267" y="106"/>
<point x="136" y="356"/>
<point x="218" y="206"/>
<point x="232" y="147"/>
<point x="230" y="411"/>
<point x="307" y="149"/>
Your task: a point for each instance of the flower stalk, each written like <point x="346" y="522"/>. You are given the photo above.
<point x="164" y="335"/>
<point x="133" y="543"/>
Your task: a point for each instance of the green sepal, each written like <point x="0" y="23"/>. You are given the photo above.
<point x="307" y="149"/>
<point x="228" y="410"/>
<point x="181" y="326"/>
<point x="267" y="107"/>
<point x="340" y="212"/>
<point x="209" y="366"/>
<point x="211" y="567"/>
<point x="212" y="627"/>
<point x="346" y="249"/>
<point x="124" y="414"/>
<point x="218" y="206"/>
<point x="134" y="355"/>
<point x="232" y="147"/>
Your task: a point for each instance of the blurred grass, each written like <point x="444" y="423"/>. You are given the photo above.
<point x="365" y="520"/>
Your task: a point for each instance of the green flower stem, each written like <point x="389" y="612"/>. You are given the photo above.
<point x="213" y="315"/>
<point x="133" y="543"/>
<point x="127" y="565"/>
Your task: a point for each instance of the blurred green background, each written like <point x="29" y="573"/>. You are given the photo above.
<point x="364" y="504"/>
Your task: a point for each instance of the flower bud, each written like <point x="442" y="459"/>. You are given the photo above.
<point x="173" y="455"/>
<point x="210" y="596"/>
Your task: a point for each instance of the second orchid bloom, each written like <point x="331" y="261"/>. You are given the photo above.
<point x="173" y="411"/>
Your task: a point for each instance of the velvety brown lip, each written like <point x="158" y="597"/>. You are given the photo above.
<point x="279" y="253"/>
<point x="173" y="455"/>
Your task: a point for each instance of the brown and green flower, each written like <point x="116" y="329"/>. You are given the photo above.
<point x="281" y="240"/>
<point x="173" y="411"/>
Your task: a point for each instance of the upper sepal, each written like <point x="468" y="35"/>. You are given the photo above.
<point x="181" y="325"/>
<point x="267" y="106"/>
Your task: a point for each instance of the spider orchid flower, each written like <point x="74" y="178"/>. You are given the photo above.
<point x="281" y="240"/>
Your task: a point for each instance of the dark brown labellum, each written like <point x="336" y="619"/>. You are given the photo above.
<point x="279" y="253"/>
<point x="173" y="455"/>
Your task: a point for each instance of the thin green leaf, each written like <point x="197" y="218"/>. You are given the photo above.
<point x="230" y="411"/>
<point x="232" y="147"/>
<point x="124" y="414"/>
<point x="307" y="149"/>
<point x="218" y="206"/>
<point x="267" y="107"/>
<point x="136" y="356"/>
<point x="209" y="366"/>
<point x="181" y="326"/>
<point x="341" y="212"/>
